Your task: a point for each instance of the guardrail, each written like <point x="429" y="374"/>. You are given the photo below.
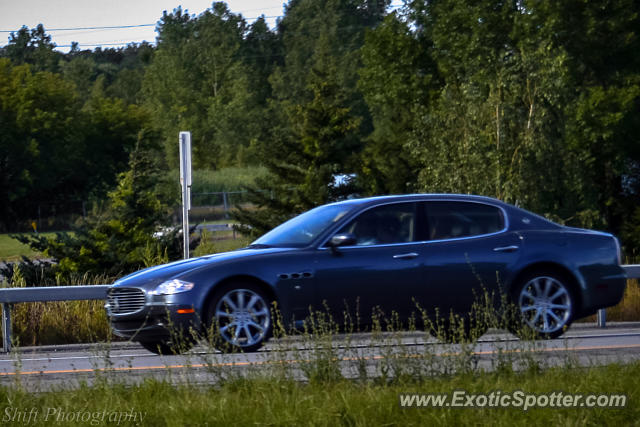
<point x="9" y="296"/>
<point x="633" y="272"/>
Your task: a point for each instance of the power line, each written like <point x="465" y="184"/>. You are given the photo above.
<point x="110" y="27"/>
<point x="107" y="44"/>
<point x="116" y="27"/>
<point x="391" y="7"/>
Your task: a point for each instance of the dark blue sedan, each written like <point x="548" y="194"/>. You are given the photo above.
<point x="385" y="254"/>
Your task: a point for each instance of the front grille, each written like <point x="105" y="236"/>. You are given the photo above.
<point x="125" y="300"/>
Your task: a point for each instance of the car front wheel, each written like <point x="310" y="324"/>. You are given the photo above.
<point x="241" y="317"/>
<point x="546" y="304"/>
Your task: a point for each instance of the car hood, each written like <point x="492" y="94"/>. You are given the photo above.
<point x="153" y="276"/>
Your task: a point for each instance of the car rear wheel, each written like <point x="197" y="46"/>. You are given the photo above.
<point x="241" y="317"/>
<point x="546" y="304"/>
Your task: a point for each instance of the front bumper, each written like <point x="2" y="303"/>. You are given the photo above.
<point x="154" y="320"/>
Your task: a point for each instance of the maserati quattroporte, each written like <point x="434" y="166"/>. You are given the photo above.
<point x="391" y="254"/>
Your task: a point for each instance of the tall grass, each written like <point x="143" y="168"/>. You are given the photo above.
<point x="227" y="179"/>
<point x="63" y="322"/>
<point x="264" y="400"/>
<point x="322" y="378"/>
<point x="326" y="375"/>
<point x="629" y="307"/>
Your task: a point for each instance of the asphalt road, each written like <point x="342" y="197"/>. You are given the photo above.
<point x="42" y="368"/>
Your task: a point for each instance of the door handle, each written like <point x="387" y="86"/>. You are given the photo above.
<point x="409" y="255"/>
<point x="511" y="248"/>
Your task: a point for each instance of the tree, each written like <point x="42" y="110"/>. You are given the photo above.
<point x="199" y="81"/>
<point x="503" y="116"/>
<point x="40" y="141"/>
<point x="33" y="47"/>
<point x="119" y="239"/>
<point x="304" y="163"/>
<point x="397" y="76"/>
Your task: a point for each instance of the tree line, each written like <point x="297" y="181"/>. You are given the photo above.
<point x="534" y="102"/>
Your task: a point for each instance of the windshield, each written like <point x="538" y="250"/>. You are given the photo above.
<point x="303" y="229"/>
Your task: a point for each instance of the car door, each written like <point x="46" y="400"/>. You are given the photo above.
<point x="373" y="272"/>
<point x="467" y="256"/>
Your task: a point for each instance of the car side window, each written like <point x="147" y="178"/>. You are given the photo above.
<point x="449" y="220"/>
<point x="387" y="224"/>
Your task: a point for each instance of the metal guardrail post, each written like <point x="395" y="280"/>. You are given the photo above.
<point x="602" y="318"/>
<point x="6" y="327"/>
<point x="633" y="272"/>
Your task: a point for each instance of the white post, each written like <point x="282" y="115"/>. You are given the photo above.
<point x="602" y="318"/>
<point x="6" y="327"/>
<point x="185" y="181"/>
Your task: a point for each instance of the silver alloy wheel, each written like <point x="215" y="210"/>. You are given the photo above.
<point x="545" y="304"/>
<point x="243" y="317"/>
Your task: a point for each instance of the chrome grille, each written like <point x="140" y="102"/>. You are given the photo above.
<point x="125" y="300"/>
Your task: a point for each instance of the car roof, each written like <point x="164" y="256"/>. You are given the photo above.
<point x="421" y="197"/>
<point x="516" y="213"/>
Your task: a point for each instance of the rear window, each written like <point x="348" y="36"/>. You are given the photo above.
<point x="450" y="220"/>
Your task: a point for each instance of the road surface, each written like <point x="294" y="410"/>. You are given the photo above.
<point x="41" y="368"/>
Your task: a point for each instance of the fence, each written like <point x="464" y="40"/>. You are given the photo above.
<point x="43" y="217"/>
<point x="216" y="205"/>
<point x="48" y="216"/>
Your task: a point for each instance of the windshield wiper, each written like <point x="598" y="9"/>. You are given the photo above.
<point x="258" y="246"/>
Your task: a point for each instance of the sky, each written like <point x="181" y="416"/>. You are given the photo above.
<point x="60" y="16"/>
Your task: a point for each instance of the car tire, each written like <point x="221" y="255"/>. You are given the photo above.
<point x="545" y="305"/>
<point x="166" y="348"/>
<point x="240" y="319"/>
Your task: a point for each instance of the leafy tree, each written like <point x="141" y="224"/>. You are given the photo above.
<point x="525" y="111"/>
<point x="397" y="77"/>
<point x="32" y="47"/>
<point x="40" y="141"/>
<point x="200" y="82"/>
<point x="320" y="117"/>
<point x="119" y="238"/>
<point x="304" y="163"/>
<point x="81" y="71"/>
<point x="53" y="149"/>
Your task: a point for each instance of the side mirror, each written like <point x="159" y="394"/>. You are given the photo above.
<point x="346" y="239"/>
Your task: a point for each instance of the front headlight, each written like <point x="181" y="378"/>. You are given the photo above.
<point x="172" y="287"/>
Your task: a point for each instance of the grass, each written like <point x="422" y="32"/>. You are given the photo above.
<point x="628" y="310"/>
<point x="629" y="307"/>
<point x="12" y="250"/>
<point x="65" y="322"/>
<point x="227" y="179"/>
<point x="326" y="380"/>
<point x="268" y="400"/>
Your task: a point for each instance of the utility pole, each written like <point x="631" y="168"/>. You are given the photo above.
<point x="185" y="182"/>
